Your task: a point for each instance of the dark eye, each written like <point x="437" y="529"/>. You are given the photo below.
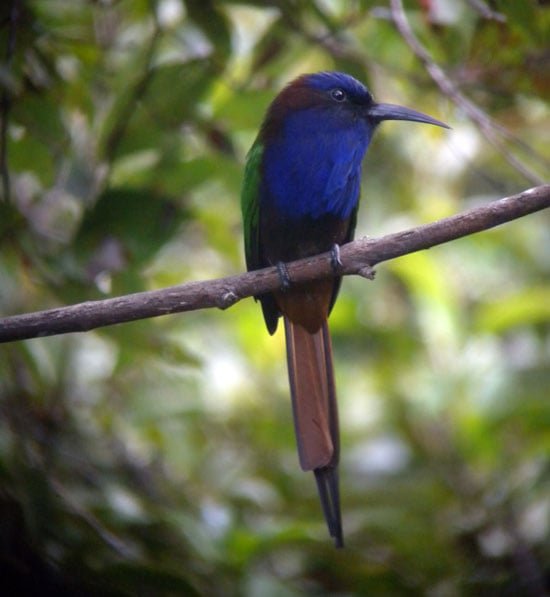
<point x="338" y="94"/>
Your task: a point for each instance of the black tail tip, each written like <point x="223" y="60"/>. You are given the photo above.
<point x="339" y="540"/>
<point x="329" y="495"/>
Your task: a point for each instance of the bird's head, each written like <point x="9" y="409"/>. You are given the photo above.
<point x="341" y="97"/>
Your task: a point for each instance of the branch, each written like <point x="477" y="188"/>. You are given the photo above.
<point x="357" y="258"/>
<point x="488" y="126"/>
<point x="486" y="12"/>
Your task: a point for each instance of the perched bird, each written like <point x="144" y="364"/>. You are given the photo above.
<point x="299" y="198"/>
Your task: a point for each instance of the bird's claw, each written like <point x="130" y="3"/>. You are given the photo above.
<point x="284" y="276"/>
<point x="335" y="260"/>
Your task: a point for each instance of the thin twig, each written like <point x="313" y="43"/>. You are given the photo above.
<point x="486" y="124"/>
<point x="486" y="12"/>
<point x="110" y="539"/>
<point x="357" y="258"/>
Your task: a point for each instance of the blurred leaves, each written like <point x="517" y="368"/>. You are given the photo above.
<point x="158" y="457"/>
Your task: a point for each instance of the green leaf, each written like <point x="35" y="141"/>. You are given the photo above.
<point x="139" y="219"/>
<point x="530" y="306"/>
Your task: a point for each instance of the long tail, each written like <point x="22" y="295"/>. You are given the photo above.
<point x="309" y="357"/>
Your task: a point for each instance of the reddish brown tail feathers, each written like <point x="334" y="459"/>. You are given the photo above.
<point x="311" y="375"/>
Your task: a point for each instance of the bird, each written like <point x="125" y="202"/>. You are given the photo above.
<point x="299" y="198"/>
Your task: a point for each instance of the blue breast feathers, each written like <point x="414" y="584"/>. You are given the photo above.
<point x="312" y="167"/>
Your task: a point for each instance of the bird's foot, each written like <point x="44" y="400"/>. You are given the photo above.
<point x="335" y="260"/>
<point x="284" y="276"/>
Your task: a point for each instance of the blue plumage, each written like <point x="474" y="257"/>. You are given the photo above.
<point x="328" y="80"/>
<point x="313" y="168"/>
<point x="312" y="162"/>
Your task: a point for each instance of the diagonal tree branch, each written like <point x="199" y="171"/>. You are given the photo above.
<point x="357" y="258"/>
<point x="486" y="11"/>
<point x="491" y="129"/>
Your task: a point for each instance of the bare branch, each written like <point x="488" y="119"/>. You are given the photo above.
<point x="486" y="124"/>
<point x="486" y="12"/>
<point x="357" y="258"/>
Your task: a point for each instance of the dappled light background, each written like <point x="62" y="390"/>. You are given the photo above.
<point x="158" y="457"/>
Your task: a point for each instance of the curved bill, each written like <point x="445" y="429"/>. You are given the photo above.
<point x="381" y="112"/>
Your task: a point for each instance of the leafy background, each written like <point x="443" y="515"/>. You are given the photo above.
<point x="157" y="457"/>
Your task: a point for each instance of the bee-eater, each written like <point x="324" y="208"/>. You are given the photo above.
<point x="299" y="198"/>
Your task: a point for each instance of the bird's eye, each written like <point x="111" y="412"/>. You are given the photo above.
<point x="338" y="94"/>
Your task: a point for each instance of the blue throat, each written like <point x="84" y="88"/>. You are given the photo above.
<point x="313" y="166"/>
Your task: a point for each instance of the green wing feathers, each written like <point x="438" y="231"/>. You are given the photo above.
<point x="250" y="206"/>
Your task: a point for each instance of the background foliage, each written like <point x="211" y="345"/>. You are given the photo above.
<point x="157" y="458"/>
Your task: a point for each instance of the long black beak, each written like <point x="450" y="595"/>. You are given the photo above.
<point x="380" y="112"/>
